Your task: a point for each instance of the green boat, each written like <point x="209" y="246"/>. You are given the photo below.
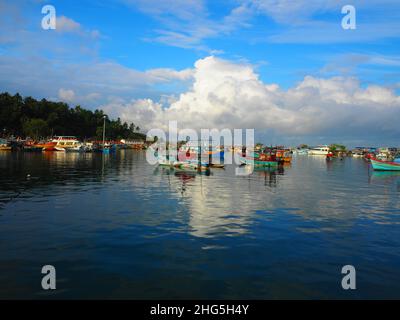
<point x="258" y="163"/>
<point x="381" y="165"/>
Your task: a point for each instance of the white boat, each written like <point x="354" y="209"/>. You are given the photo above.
<point x="301" y="151"/>
<point x="358" y="155"/>
<point x="319" y="151"/>
<point x="67" y="142"/>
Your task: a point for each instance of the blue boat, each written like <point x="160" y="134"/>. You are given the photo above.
<point x="381" y="165"/>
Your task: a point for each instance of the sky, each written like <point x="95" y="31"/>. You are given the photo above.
<point x="286" y="68"/>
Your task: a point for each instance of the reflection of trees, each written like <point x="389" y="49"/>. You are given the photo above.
<point x="22" y="171"/>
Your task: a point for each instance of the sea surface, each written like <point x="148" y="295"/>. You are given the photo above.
<point x="115" y="227"/>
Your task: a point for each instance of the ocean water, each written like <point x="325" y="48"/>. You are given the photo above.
<point x="115" y="227"/>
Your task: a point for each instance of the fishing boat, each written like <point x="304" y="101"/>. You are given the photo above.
<point x="29" y="145"/>
<point x="46" y="145"/>
<point x="381" y="165"/>
<point x="190" y="151"/>
<point x="284" y="155"/>
<point x="258" y="161"/>
<point x="4" y="145"/>
<point x="319" y="151"/>
<point x="65" y="142"/>
<point x="77" y="148"/>
<point x="191" y="166"/>
<point x="166" y="161"/>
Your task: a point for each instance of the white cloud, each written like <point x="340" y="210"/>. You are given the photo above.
<point x="227" y="94"/>
<point x="65" y="24"/>
<point x="66" y="95"/>
<point x="68" y="25"/>
<point x="187" y="23"/>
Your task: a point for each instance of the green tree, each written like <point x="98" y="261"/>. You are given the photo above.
<point x="35" y="128"/>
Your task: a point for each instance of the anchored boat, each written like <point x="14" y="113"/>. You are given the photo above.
<point x="258" y="161"/>
<point x="381" y="165"/>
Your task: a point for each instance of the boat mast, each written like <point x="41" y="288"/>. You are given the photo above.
<point x="104" y="131"/>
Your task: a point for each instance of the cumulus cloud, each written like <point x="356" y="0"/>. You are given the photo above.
<point x="66" y="95"/>
<point x="225" y="94"/>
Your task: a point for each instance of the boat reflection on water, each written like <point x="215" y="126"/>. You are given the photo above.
<point x="385" y="177"/>
<point x="270" y="175"/>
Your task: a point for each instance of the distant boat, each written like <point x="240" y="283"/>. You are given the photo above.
<point x="381" y="165"/>
<point x="5" y="148"/>
<point x="109" y="148"/>
<point x="4" y="145"/>
<point x="319" y="151"/>
<point x="76" y="148"/>
<point x="302" y="151"/>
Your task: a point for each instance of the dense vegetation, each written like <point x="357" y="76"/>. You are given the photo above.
<point x="29" y="117"/>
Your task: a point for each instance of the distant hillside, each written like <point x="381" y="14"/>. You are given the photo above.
<point x="29" y="117"/>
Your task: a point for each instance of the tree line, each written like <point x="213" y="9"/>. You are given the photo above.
<point x="28" y="117"/>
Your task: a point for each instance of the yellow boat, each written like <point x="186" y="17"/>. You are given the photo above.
<point x="5" y="148"/>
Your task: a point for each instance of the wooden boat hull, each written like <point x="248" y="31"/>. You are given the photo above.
<point x="380" y="165"/>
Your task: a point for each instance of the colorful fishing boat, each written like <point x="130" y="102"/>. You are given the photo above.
<point x="191" y="166"/>
<point x="284" y="155"/>
<point x="46" y="145"/>
<point x="166" y="161"/>
<point x="5" y="148"/>
<point x="381" y="165"/>
<point x="65" y="142"/>
<point x="258" y="161"/>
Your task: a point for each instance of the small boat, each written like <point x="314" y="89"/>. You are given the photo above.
<point x="191" y="166"/>
<point x="4" y="145"/>
<point x="166" y="162"/>
<point x="381" y="165"/>
<point x="258" y="162"/>
<point x="31" y="148"/>
<point x="76" y="148"/>
<point x="217" y="165"/>
<point x="108" y="148"/>
<point x="284" y="155"/>
<point x="302" y="151"/>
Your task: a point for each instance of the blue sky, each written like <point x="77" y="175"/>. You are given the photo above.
<point x="122" y="54"/>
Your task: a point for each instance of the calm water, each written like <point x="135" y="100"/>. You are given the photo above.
<point x="116" y="227"/>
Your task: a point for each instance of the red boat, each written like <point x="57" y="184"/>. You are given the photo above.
<point x="46" y="145"/>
